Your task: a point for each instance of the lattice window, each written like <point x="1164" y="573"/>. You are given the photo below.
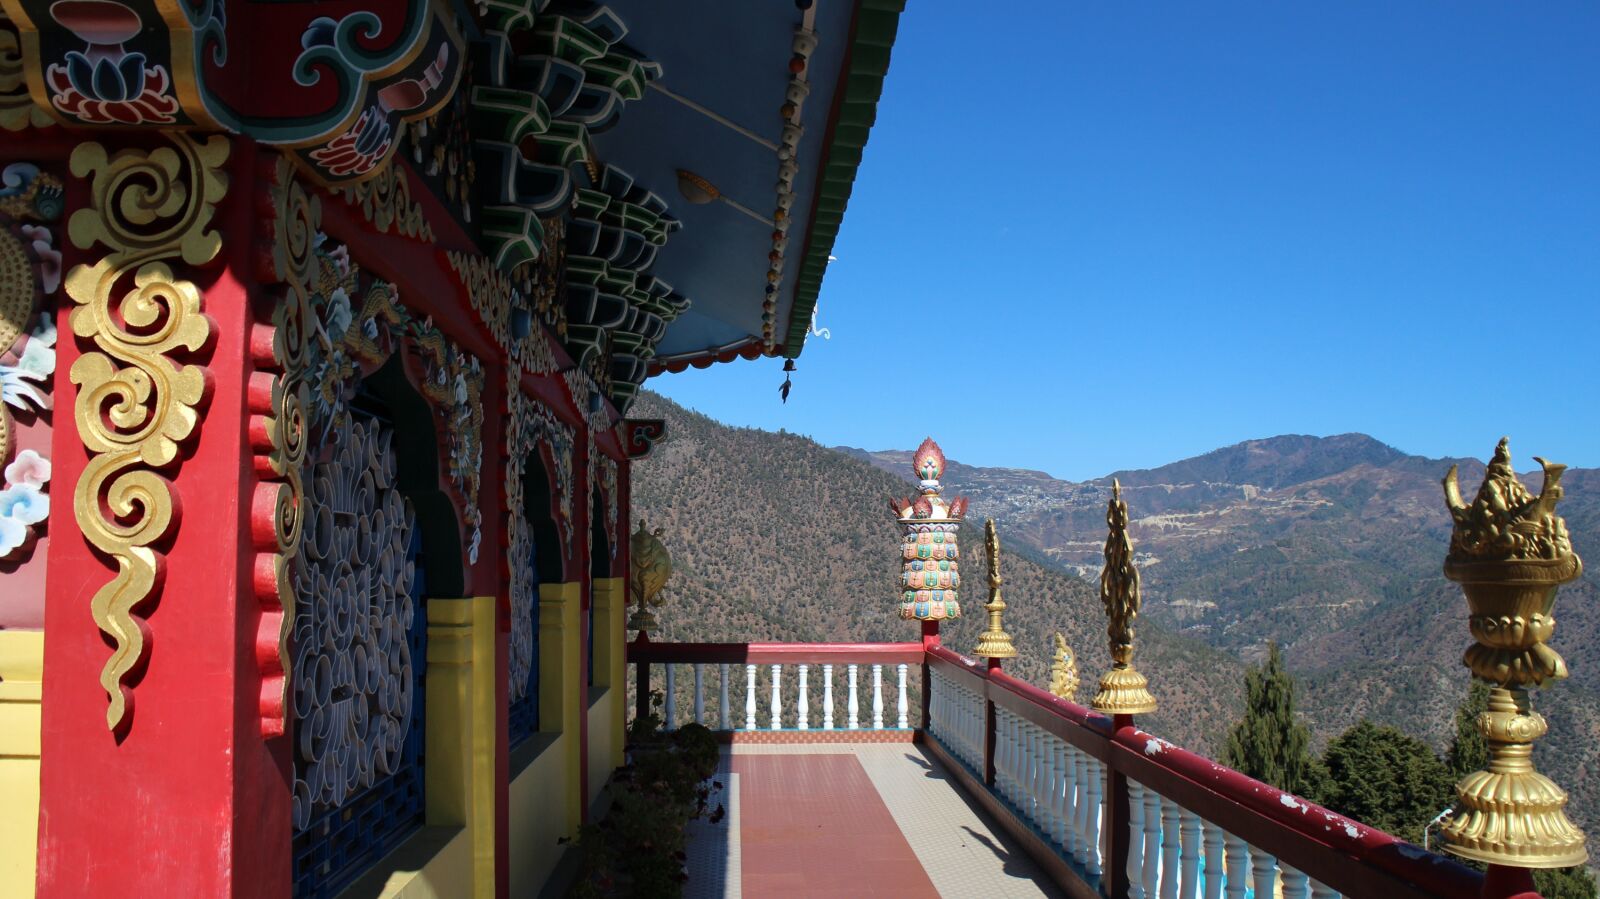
<point x="360" y="649"/>
<point x="524" y="678"/>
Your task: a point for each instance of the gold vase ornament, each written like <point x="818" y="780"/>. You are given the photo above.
<point x="651" y="567"/>
<point x="1510" y="552"/>
<point x="1123" y="690"/>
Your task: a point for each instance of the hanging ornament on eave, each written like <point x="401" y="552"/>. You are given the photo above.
<point x="783" y="389"/>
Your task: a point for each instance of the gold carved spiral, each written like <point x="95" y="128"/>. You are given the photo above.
<point x="136" y="405"/>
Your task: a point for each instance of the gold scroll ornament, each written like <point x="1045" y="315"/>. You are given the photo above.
<point x="1123" y="690"/>
<point x="1510" y="552"/>
<point x="136" y="404"/>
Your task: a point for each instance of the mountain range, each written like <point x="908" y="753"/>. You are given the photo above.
<point x="1333" y="548"/>
<point x="1330" y="546"/>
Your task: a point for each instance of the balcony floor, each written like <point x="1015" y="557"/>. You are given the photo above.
<point x="862" y="819"/>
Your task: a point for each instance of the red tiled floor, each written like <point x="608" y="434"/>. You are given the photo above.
<point x="814" y="825"/>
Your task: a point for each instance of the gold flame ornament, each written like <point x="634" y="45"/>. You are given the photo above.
<point x="994" y="642"/>
<point x="1064" y="671"/>
<point x="1510" y="552"/>
<point x="651" y="567"/>
<point x="1123" y="690"/>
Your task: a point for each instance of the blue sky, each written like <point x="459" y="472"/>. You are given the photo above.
<point x="1096" y="236"/>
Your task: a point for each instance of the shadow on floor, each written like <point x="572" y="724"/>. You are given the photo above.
<point x="930" y="770"/>
<point x="1012" y="865"/>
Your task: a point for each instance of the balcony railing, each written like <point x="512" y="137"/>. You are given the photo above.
<point x="863" y="686"/>
<point x="1104" y="808"/>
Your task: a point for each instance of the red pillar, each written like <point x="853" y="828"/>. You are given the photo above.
<point x="189" y="798"/>
<point x="989" y="731"/>
<point x="1114" y="880"/>
<point x="930" y="639"/>
<point x="583" y="525"/>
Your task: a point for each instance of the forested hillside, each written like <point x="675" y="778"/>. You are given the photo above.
<point x="775" y="537"/>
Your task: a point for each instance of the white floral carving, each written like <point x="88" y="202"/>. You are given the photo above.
<point x="353" y="668"/>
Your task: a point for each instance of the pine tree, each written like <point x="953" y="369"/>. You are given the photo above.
<point x="1469" y="751"/>
<point x="1385" y="778"/>
<point x="1268" y="743"/>
<point x="1565" y="883"/>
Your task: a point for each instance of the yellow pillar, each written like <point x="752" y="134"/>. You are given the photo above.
<point x="610" y="663"/>
<point x="460" y="719"/>
<point x="563" y="684"/>
<point x="21" y="669"/>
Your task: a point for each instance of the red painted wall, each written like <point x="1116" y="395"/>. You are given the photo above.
<point x="190" y="801"/>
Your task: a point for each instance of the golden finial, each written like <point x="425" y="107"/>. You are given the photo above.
<point x="994" y="642"/>
<point x="1064" y="671"/>
<point x="1510" y="551"/>
<point x="651" y="567"/>
<point x="1123" y="690"/>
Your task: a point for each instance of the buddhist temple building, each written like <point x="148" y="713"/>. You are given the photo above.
<point x="320" y="326"/>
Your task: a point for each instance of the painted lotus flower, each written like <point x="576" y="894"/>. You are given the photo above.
<point x="112" y="90"/>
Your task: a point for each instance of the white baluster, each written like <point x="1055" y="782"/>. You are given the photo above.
<point x="903" y="708"/>
<point x="1320" y="891"/>
<point x="669" y="711"/>
<point x="1215" y="863"/>
<point x="1295" y="884"/>
<point x="1136" y="840"/>
<point x="1019" y="767"/>
<point x="1019" y="734"/>
<point x="699" y="695"/>
<point x="853" y="706"/>
<point x="1094" y="780"/>
<point x="1169" y="849"/>
<point x="1034" y="773"/>
<point x="1048" y="820"/>
<point x="1068" y="827"/>
<point x="1003" y="754"/>
<point x="1237" y="857"/>
<point x="1263" y="871"/>
<point x="723" y="708"/>
<point x="877" y="697"/>
<point x="1152" y="841"/>
<point x="827" y="697"/>
<point x="1041" y="789"/>
<point x="804" y="719"/>
<point x="774" y="705"/>
<point x="1084" y="810"/>
<point x="1189" y="842"/>
<point x="750" y="698"/>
